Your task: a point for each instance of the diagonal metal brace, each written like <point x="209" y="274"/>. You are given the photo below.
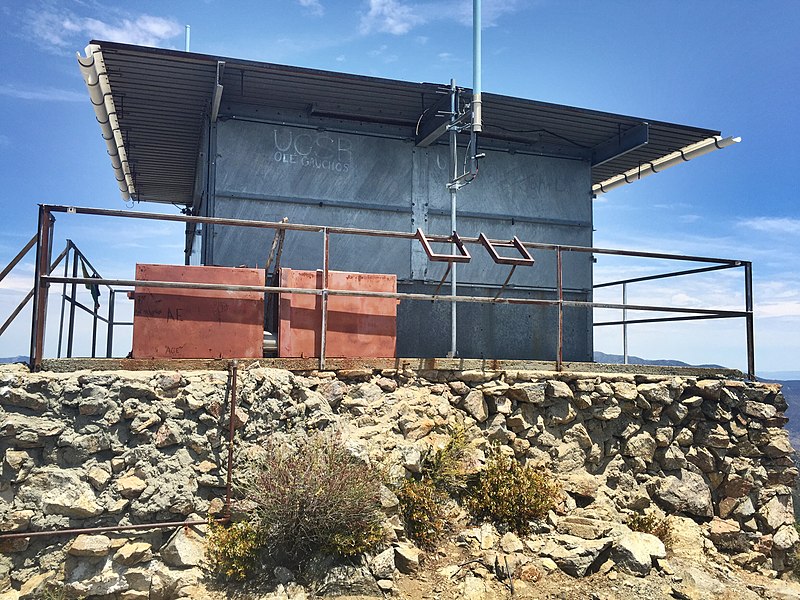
<point x="462" y="257"/>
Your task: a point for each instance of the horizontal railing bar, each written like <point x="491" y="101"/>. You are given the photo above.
<point x="666" y="319"/>
<point x="666" y="275"/>
<point x="368" y="232"/>
<point x="370" y="294"/>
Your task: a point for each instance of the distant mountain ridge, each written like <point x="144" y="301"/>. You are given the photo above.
<point x="13" y="359"/>
<point x="618" y="359"/>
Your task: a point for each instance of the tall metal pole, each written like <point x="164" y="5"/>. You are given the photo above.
<point x="453" y="198"/>
<point x="477" y="123"/>
<point x="748" y="299"/>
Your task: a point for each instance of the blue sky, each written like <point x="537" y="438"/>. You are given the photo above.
<point x="728" y="65"/>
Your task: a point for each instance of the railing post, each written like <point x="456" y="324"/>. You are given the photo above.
<point x="560" y="285"/>
<point x="324" y="300"/>
<point x="63" y="302"/>
<point x="43" y="251"/>
<point x="112" y="295"/>
<point x="748" y="302"/>
<point x="625" y="324"/>
<point x="74" y="292"/>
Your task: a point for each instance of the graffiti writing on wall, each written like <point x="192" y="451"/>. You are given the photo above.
<point x="312" y="150"/>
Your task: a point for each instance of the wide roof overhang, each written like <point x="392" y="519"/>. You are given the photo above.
<point x="162" y="99"/>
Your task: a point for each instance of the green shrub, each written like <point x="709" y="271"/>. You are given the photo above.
<point x="447" y="468"/>
<point x="510" y="495"/>
<point x="423" y="508"/>
<point x="650" y="523"/>
<point x="233" y="551"/>
<point x="314" y="497"/>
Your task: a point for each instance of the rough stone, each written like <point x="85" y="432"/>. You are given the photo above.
<point x="184" y="549"/>
<point x="475" y="405"/>
<point x="641" y="445"/>
<point x="133" y="553"/>
<point x="406" y="557"/>
<point x="726" y="535"/>
<point x="510" y="543"/>
<point x="61" y="492"/>
<point x="533" y="393"/>
<point x="382" y="566"/>
<point x="686" y="493"/>
<point x="635" y="552"/>
<point x="130" y="486"/>
<point x="558" y="390"/>
<point x="90" y="545"/>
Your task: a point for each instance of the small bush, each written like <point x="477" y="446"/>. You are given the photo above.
<point x="651" y="524"/>
<point x="510" y="495"/>
<point x="232" y="552"/>
<point x="447" y="467"/>
<point x="315" y="497"/>
<point x="423" y="510"/>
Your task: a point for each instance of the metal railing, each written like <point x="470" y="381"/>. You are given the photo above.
<point x="70" y="255"/>
<point x="43" y="278"/>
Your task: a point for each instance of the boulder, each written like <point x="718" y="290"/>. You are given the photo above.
<point x="184" y="549"/>
<point x="687" y="493"/>
<point x="475" y="405"/>
<point x="635" y="552"/>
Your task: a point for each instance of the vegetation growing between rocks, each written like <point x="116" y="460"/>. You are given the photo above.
<point x="652" y="524"/>
<point x="233" y="551"/>
<point x="423" y="501"/>
<point x="303" y="500"/>
<point x="511" y="495"/>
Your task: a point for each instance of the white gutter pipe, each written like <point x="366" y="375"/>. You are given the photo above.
<point x="94" y="75"/>
<point x="670" y="160"/>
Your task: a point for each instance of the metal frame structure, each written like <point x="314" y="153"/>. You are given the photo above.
<point x="44" y="278"/>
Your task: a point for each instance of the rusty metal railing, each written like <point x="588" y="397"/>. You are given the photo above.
<point x="44" y="278"/>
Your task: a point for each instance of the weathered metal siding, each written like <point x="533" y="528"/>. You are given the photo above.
<point x="271" y="171"/>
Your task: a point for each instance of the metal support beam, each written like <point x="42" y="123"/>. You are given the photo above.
<point x="620" y="144"/>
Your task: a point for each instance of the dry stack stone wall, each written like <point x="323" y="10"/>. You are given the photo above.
<point x="96" y="449"/>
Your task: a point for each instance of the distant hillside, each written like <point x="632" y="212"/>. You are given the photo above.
<point x="791" y="391"/>
<point x="614" y="359"/>
<point x="13" y="359"/>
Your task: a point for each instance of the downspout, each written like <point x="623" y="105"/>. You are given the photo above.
<point x="94" y="75"/>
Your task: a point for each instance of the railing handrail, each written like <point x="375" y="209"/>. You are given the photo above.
<point x="43" y="277"/>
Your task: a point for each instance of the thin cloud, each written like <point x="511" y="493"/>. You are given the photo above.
<point x="314" y="7"/>
<point x="390" y="16"/>
<point x="772" y="225"/>
<point x="47" y="94"/>
<point x="398" y="18"/>
<point x="57" y="29"/>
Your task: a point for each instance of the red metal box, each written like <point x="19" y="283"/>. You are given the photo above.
<point x="358" y="327"/>
<point x="191" y="323"/>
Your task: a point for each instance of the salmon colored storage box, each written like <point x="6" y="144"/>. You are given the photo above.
<point x="358" y="327"/>
<point x="187" y="323"/>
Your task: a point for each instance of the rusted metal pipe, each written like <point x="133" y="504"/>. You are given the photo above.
<point x="233" y="370"/>
<point x="560" y="290"/>
<point x="110" y="528"/>
<point x="373" y="233"/>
